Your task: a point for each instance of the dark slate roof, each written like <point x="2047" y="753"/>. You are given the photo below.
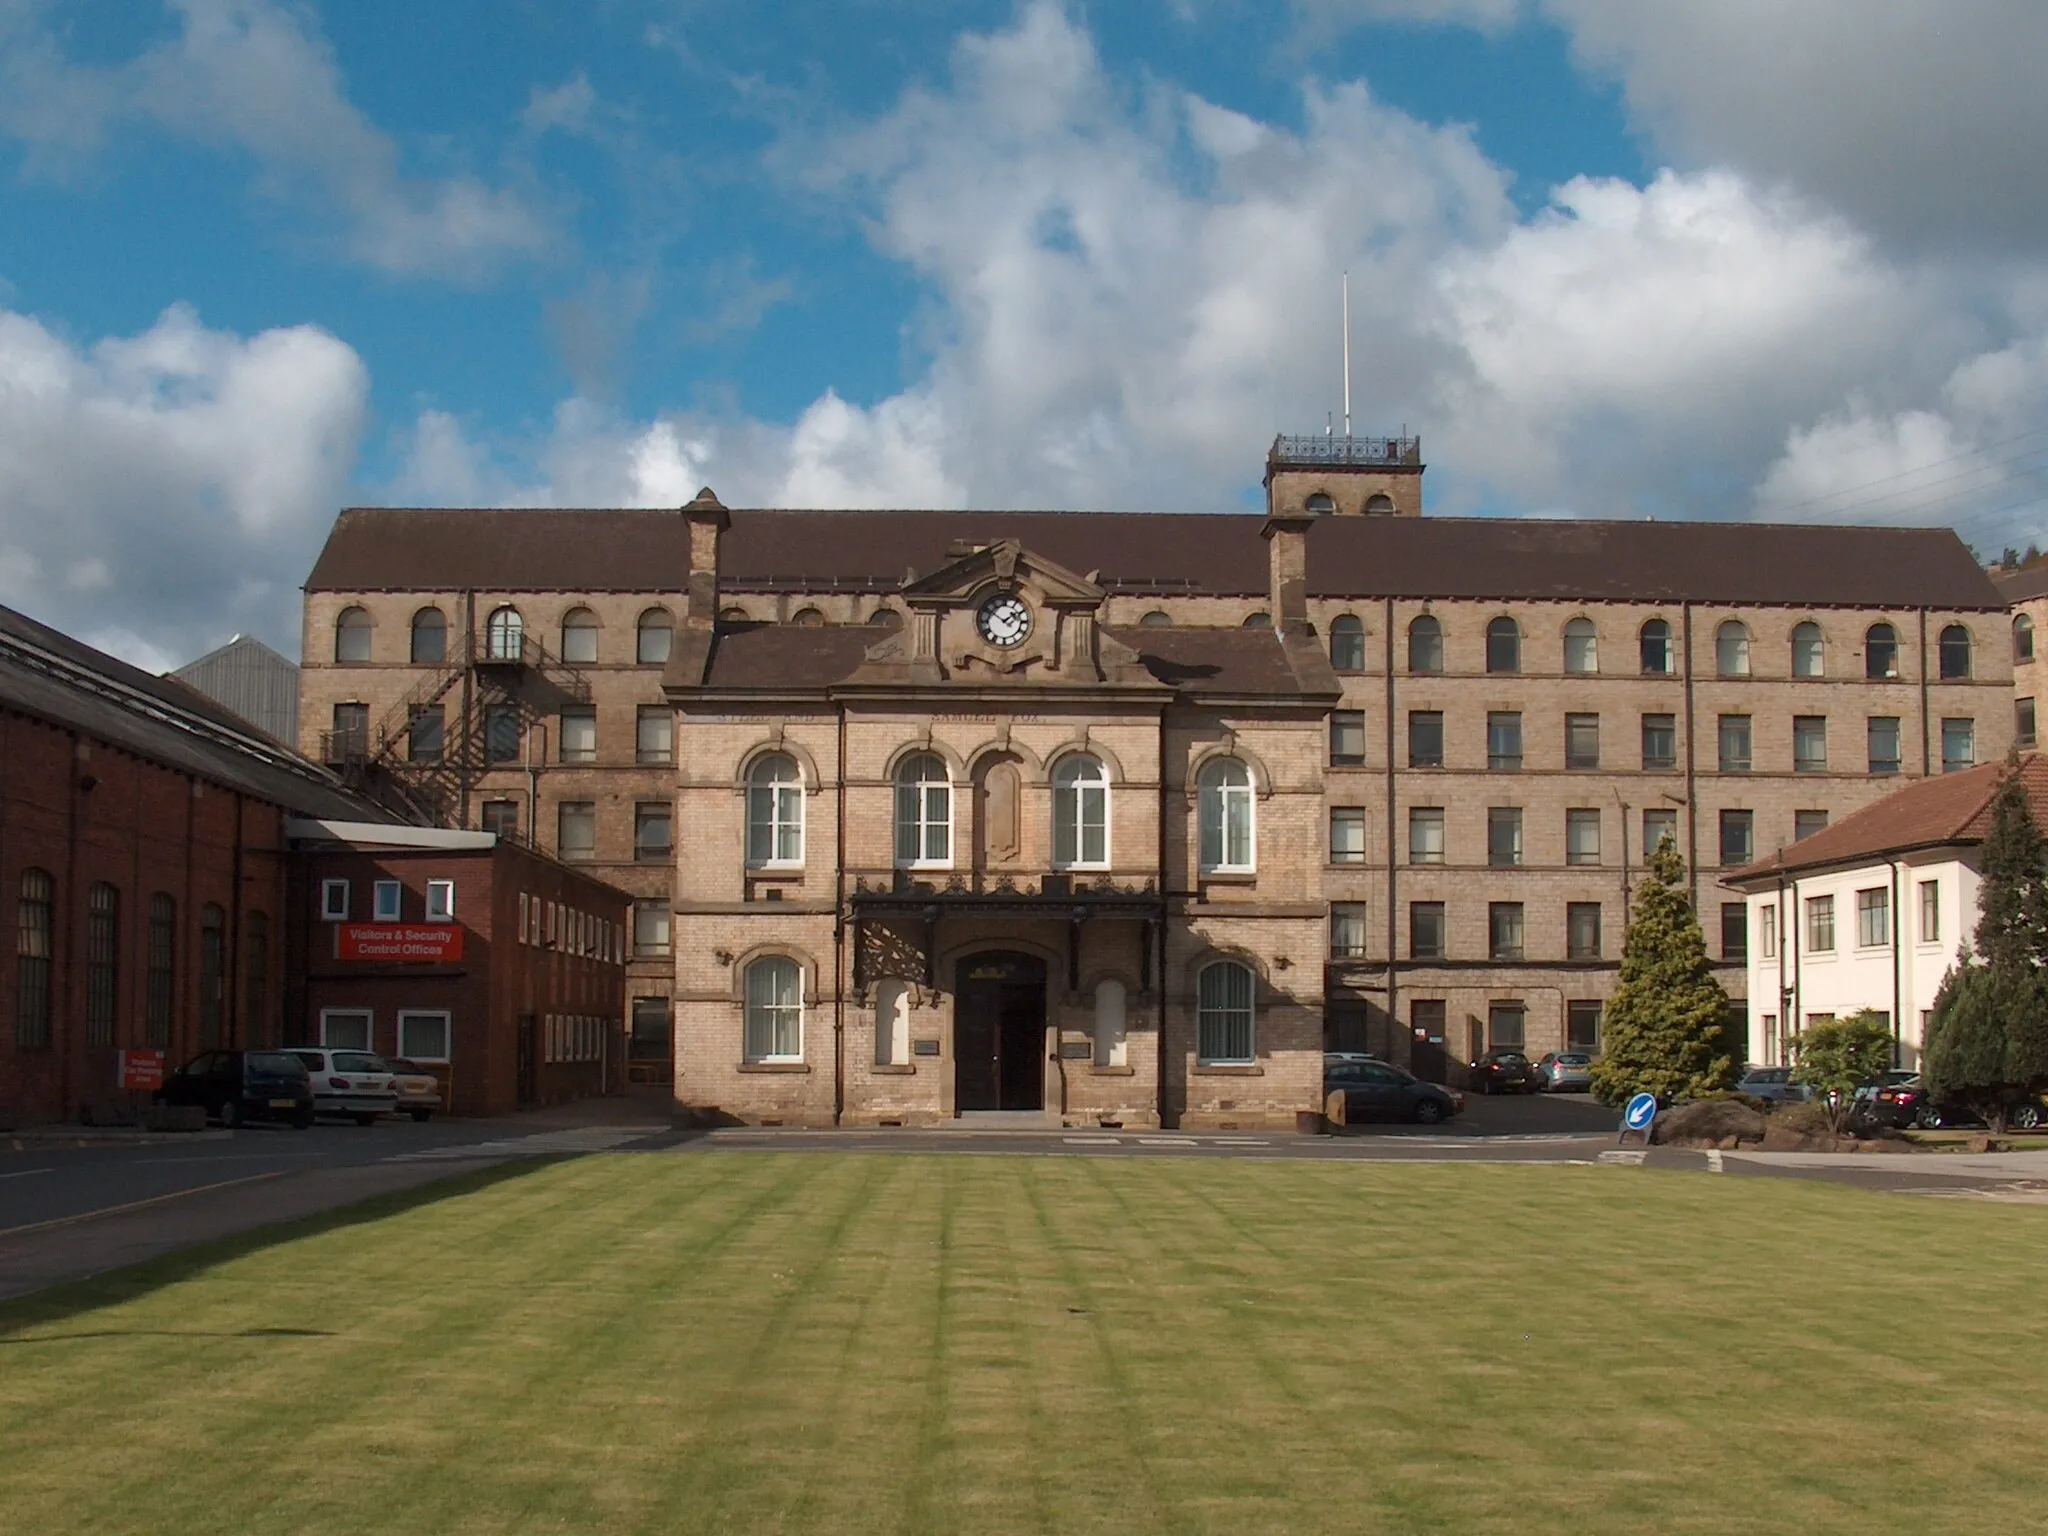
<point x="1234" y="661"/>
<point x="788" y="655"/>
<point x="409" y="549"/>
<point x="52" y="677"/>
<point x="2029" y="582"/>
<point x="1954" y="808"/>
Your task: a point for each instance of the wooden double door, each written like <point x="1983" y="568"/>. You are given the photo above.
<point x="999" y="1032"/>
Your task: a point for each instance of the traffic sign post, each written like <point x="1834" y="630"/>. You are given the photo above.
<point x="1637" y="1118"/>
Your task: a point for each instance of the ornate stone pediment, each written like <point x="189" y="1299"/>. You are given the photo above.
<point x="1004" y="564"/>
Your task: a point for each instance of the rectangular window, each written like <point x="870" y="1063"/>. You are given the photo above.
<point x="1930" y="912"/>
<point x="1425" y="834"/>
<point x="1883" y="735"/>
<point x="1659" y="826"/>
<point x="345" y="1029"/>
<point x="576" y="829"/>
<point x="1738" y="840"/>
<point x="1770" y="1028"/>
<point x="1503" y="836"/>
<point x="1767" y="932"/>
<point x="424" y="1036"/>
<point x="1506" y="1026"/>
<point x="1809" y="743"/>
<point x="1806" y="823"/>
<point x="1735" y="743"/>
<point x="651" y="823"/>
<point x="775" y="1011"/>
<point x="1873" y="918"/>
<point x="501" y="818"/>
<point x="334" y="901"/>
<point x="425" y="732"/>
<point x="1582" y="930"/>
<point x="1504" y="740"/>
<point x="1735" y="930"/>
<point x="579" y="735"/>
<point x="1660" y="741"/>
<point x="350" y="738"/>
<point x="1582" y="836"/>
<point x="1582" y="741"/>
<point x="1504" y="930"/>
<point x="1347" y="834"/>
<point x="1958" y="745"/>
<point x="255" y="982"/>
<point x="1425" y="738"/>
<point x="440" y="908"/>
<point x="1820" y="924"/>
<point x="158" y="976"/>
<point x="1425" y="930"/>
<point x="501" y="733"/>
<point x="651" y="927"/>
<point x="1347" y="737"/>
<point x="1582" y="1026"/>
<point x="1223" y="1014"/>
<point x="2023" y="722"/>
<point x="656" y="741"/>
<point x="387" y="903"/>
<point x="1347" y="930"/>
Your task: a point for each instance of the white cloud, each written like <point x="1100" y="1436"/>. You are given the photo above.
<point x="181" y="479"/>
<point x="253" y="75"/>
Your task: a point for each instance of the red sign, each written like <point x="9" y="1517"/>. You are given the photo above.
<point x="419" y="943"/>
<point x="142" y="1071"/>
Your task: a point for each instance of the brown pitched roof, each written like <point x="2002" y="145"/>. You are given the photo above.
<point x="406" y="549"/>
<point x="1954" y="808"/>
<point x="796" y="656"/>
<point x="2029" y="582"/>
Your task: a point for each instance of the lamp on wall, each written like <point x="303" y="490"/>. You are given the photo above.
<point x="722" y="956"/>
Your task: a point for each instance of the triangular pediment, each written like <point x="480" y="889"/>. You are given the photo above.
<point x="1004" y="563"/>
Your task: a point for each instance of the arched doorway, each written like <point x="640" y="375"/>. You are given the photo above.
<point x="999" y="1032"/>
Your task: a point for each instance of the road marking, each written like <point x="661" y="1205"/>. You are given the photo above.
<point x="137" y="1205"/>
<point x="1624" y="1159"/>
<point x="1714" y="1162"/>
<point x="1187" y="1142"/>
<point x="27" y="1173"/>
<point x="1092" y="1141"/>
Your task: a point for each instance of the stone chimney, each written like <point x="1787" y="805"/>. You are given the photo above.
<point x="1286" y="536"/>
<point x="708" y="521"/>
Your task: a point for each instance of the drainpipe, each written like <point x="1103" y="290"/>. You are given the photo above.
<point x="1159" y="971"/>
<point x="839" y="927"/>
<point x="1692" y="799"/>
<point x="1785" y="1034"/>
<point x="1406" y="1037"/>
<point x="1898" y="958"/>
<point x="1926" y="725"/>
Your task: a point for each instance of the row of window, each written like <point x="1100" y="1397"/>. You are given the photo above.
<point x="1659" y="742"/>
<point x="1656" y="655"/>
<point x="504" y="636"/>
<point x="1873" y="921"/>
<point x="36" y="963"/>
<point x="387" y="901"/>
<point x="573" y="1037"/>
<point x="545" y="924"/>
<point x="423" y="1034"/>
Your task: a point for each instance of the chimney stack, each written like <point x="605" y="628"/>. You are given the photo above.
<point x="708" y="520"/>
<point x="1286" y="536"/>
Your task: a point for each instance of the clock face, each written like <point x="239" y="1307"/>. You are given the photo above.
<point x="1004" y="620"/>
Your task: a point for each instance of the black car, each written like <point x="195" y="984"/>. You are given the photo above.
<point x="1505" y="1071"/>
<point x="234" y="1086"/>
<point x="1378" y="1090"/>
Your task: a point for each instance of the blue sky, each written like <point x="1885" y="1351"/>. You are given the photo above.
<point x="259" y="259"/>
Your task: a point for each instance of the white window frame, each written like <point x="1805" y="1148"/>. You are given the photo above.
<point x="784" y="802"/>
<point x="1226" y="803"/>
<point x="334" y="901"/>
<point x="1226" y="1014"/>
<point x="1930" y="906"/>
<point x="1584" y="636"/>
<point x="440" y="904"/>
<point x="367" y="1015"/>
<point x="387" y="901"/>
<point x="1882" y="907"/>
<point x="749" y="1018"/>
<point x="447" y="1019"/>
<point x="1071" y="793"/>
<point x="924" y="813"/>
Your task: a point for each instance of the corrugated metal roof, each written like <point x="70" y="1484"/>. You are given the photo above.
<point x="254" y="681"/>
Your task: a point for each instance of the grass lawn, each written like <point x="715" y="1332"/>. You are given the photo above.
<point x="737" y="1341"/>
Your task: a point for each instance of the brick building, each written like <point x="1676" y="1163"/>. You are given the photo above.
<point x="499" y="968"/>
<point x="143" y="856"/>
<point x="1126" y="817"/>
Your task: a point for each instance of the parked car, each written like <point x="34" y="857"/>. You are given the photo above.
<point x="352" y="1083"/>
<point x="1565" y="1071"/>
<point x="234" y="1086"/>
<point x="1773" y="1083"/>
<point x="418" y="1090"/>
<point x="1334" y="1056"/>
<point x="1505" y="1071"/>
<point x="1379" y="1090"/>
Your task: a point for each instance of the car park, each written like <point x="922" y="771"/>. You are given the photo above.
<point x="237" y="1086"/>
<point x="1774" y="1084"/>
<point x="1504" y="1071"/>
<point x="1379" y="1090"/>
<point x="352" y="1083"/>
<point x="1565" y="1072"/>
<point x="418" y="1090"/>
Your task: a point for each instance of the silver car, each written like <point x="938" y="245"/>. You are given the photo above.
<point x="352" y="1083"/>
<point x="1773" y="1083"/>
<point x="1566" y="1071"/>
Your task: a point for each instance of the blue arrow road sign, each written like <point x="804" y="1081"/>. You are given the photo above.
<point x="1642" y="1109"/>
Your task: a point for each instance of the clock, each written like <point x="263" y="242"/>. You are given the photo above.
<point x="1004" y="620"/>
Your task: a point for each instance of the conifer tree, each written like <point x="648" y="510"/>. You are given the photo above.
<point x="1663" y="1030"/>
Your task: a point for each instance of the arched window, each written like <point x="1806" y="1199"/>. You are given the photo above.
<point x="1809" y="650"/>
<point x="1319" y="502"/>
<point x="886" y="618"/>
<point x="1224" y="792"/>
<point x="892" y="1023"/>
<point x="2023" y="638"/>
<point x="1158" y="618"/>
<point x="732" y="615"/>
<point x="1379" y="505"/>
<point x="430" y="635"/>
<point x="1425" y="645"/>
<point x="1581" y="646"/>
<point x="1955" y="652"/>
<point x="1656" y="647"/>
<point x="505" y="635"/>
<point x="775" y="1010"/>
<point x="656" y="630"/>
<point x="1080" y="812"/>
<point x="579" y="637"/>
<point x="1503" y="645"/>
<point x="924" y="811"/>
<point x="1224" y="1013"/>
<point x="1731" y="649"/>
<point x="775" y="812"/>
<point x="1259" y="620"/>
<point x="102" y="962"/>
<point x="159" y="975"/>
<point x="1347" y="643"/>
<point x="1880" y="651"/>
<point x="809" y="618"/>
<point x="1109" y="1023"/>
<point x="34" y="937"/>
<point x="352" y="635"/>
